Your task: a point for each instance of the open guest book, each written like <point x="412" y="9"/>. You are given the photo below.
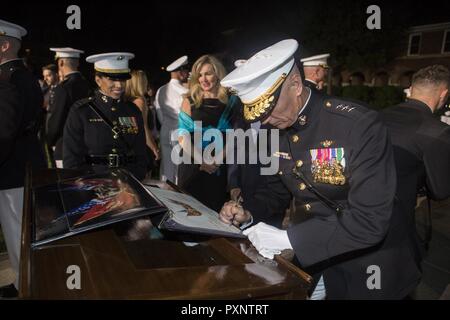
<point x="187" y="214"/>
<point x="75" y="205"/>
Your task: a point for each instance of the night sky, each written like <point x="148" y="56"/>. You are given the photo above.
<point x="160" y="31"/>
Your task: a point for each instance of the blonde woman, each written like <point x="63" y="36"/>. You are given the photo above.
<point x="207" y="101"/>
<point x="135" y="90"/>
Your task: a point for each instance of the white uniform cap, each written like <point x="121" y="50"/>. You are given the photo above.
<point x="258" y="80"/>
<point x="66" y="52"/>
<point x="113" y="64"/>
<point x="182" y="61"/>
<point x="12" y="30"/>
<point x="316" y="61"/>
<point x="238" y="62"/>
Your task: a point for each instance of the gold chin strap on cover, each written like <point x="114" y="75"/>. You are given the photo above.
<point x="254" y="109"/>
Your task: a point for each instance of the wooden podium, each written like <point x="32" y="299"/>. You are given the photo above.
<point x="113" y="267"/>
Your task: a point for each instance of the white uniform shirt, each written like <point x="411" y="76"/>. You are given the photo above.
<point x="168" y="102"/>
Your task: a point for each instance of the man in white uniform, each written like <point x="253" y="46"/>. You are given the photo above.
<point x="168" y="103"/>
<point x="315" y="69"/>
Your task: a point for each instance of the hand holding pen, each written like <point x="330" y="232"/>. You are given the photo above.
<point x="233" y="213"/>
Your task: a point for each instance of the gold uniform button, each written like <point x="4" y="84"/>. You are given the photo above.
<point x="113" y="109"/>
<point x="295" y="138"/>
<point x="307" y="207"/>
<point x="328" y="104"/>
<point x="114" y="150"/>
<point x="299" y="163"/>
<point x="280" y="173"/>
<point x="302" y="186"/>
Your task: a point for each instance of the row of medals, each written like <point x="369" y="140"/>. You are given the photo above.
<point x="328" y="172"/>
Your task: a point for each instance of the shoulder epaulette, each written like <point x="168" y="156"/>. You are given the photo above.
<point x="82" y="102"/>
<point x="344" y="107"/>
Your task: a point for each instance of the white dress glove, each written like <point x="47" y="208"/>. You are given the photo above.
<point x="268" y="240"/>
<point x="446" y="118"/>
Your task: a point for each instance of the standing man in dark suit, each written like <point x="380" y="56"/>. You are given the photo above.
<point x="73" y="87"/>
<point x="336" y="157"/>
<point x="51" y="80"/>
<point x="421" y="145"/>
<point x="20" y="111"/>
<point x="315" y="69"/>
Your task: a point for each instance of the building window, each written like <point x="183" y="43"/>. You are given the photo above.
<point x="446" y="42"/>
<point x="414" y="44"/>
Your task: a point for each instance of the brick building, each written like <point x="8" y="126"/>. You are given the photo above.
<point x="421" y="46"/>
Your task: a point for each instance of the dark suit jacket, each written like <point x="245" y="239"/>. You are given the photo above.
<point x="72" y="89"/>
<point x="20" y="113"/>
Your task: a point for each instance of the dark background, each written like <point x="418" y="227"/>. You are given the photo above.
<point x="160" y="31"/>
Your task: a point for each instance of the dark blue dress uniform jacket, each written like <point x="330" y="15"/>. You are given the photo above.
<point x="422" y="155"/>
<point x="343" y="245"/>
<point x="72" y="89"/>
<point x="86" y="134"/>
<point x="20" y="116"/>
<point x="311" y="85"/>
<point x="421" y="148"/>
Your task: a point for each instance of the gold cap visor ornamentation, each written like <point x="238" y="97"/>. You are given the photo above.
<point x="260" y="108"/>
